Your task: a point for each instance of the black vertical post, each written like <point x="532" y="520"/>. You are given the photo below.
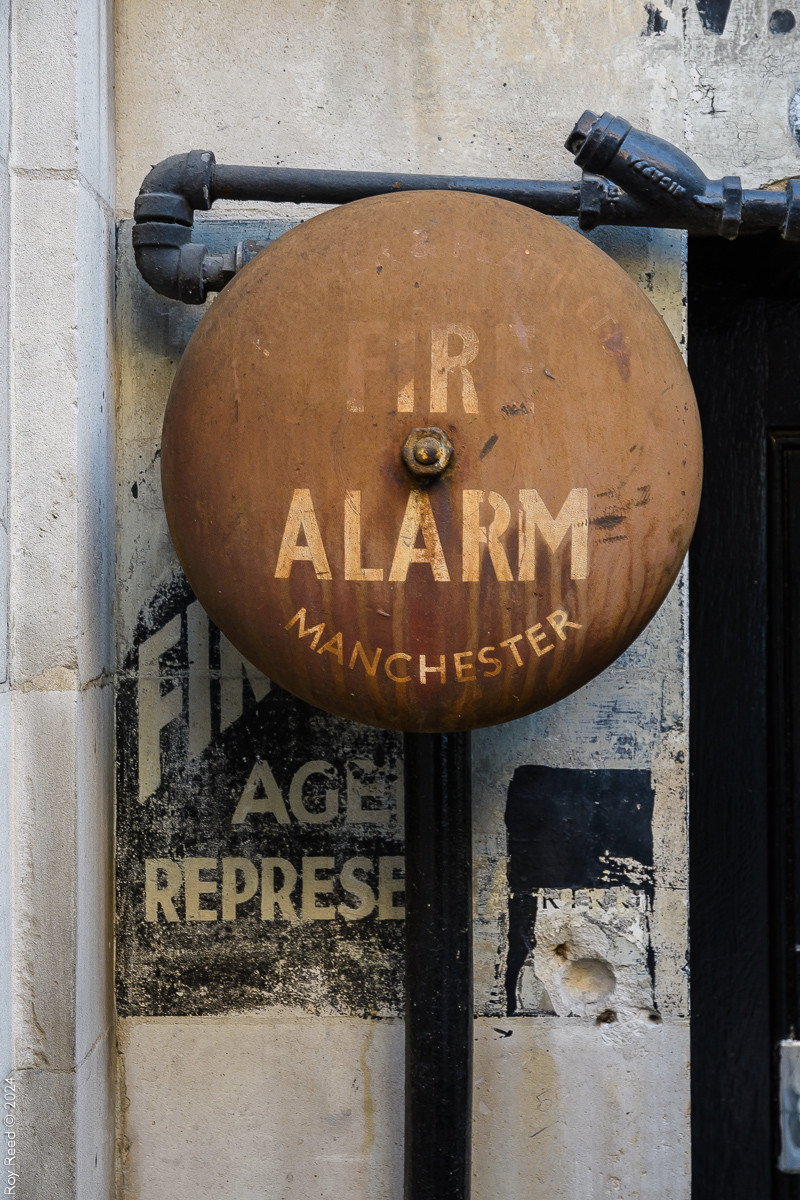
<point x="439" y="1019"/>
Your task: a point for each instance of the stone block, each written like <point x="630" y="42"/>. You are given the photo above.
<point x="44" y="774"/>
<point x="95" y="96"/>
<point x="6" y="890"/>
<point x="46" y="1134"/>
<point x="94" y="1122"/>
<point x="579" y="1108"/>
<point x="44" y="65"/>
<point x="5" y="442"/>
<point x="94" y="865"/>
<point x="281" y="1106"/>
<point x="5" y="81"/>
<point x="44" y="589"/>
<point x="95" y="437"/>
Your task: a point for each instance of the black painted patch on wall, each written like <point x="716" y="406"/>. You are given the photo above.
<point x="714" y="14"/>
<point x="192" y="967"/>
<point x="782" y="20"/>
<point x="572" y="829"/>
<point x="656" y="22"/>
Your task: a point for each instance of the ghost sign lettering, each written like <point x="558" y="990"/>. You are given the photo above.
<point x="259" y="841"/>
<point x="431" y="461"/>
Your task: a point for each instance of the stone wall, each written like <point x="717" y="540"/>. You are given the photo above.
<point x="56" y="569"/>
<point x="286" y="1080"/>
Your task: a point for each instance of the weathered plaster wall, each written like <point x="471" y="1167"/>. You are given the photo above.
<point x="467" y="87"/>
<point x="56" y="579"/>
<point x="277" y="1101"/>
<point x="295" y="1035"/>
<point x="305" y="1099"/>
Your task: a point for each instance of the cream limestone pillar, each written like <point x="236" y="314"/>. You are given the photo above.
<point x="56" y="570"/>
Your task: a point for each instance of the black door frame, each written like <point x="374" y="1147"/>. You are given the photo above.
<point x="744" y="355"/>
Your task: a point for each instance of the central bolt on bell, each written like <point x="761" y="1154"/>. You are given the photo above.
<point x="427" y="451"/>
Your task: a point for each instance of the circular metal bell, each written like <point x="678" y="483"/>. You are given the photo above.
<point x="431" y="461"/>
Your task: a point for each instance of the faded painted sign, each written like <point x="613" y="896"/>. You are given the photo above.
<point x="260" y="852"/>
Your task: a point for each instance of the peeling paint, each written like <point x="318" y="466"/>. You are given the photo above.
<point x="656" y="21"/>
<point x="714" y="14"/>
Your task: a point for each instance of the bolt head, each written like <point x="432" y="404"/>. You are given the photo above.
<point x="426" y="452"/>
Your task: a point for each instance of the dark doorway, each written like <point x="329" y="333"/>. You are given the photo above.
<point x="744" y="356"/>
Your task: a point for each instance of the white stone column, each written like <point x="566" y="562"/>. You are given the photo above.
<point x="56" y="740"/>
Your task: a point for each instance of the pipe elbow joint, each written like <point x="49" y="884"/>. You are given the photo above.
<point x="167" y="258"/>
<point x="170" y="262"/>
<point x="189" y="176"/>
<point x="644" y="165"/>
<point x="656" y="172"/>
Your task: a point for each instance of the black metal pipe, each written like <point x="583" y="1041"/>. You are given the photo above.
<point x="630" y="178"/>
<point x="592" y="200"/>
<point x="289" y="184"/>
<point x="439" y="1007"/>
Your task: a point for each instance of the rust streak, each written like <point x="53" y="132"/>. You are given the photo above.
<point x="616" y="344"/>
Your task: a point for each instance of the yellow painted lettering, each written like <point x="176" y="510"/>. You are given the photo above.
<point x="334" y="646"/>
<point x="352" y="542"/>
<point x="418" y="519"/>
<point x="534" y="638"/>
<point x="363" y="358"/>
<point x="232" y="895"/>
<point x="475" y="536"/>
<point x="514" y="349"/>
<point x="511" y="642"/>
<point x="558" y="620"/>
<point x="315" y="632"/>
<point x="444" y="364"/>
<point x="359" y="652"/>
<point x="462" y="667"/>
<point x="405" y="345"/>
<point x="156" y="895"/>
<point x="393" y="659"/>
<point x="425" y="670"/>
<point x="573" y="516"/>
<point x="485" y="657"/>
<point x="302" y="518"/>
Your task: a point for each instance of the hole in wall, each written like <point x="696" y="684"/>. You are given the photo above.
<point x="782" y="21"/>
<point x="588" y="980"/>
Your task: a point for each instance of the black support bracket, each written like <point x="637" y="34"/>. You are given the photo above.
<point x="629" y="178"/>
